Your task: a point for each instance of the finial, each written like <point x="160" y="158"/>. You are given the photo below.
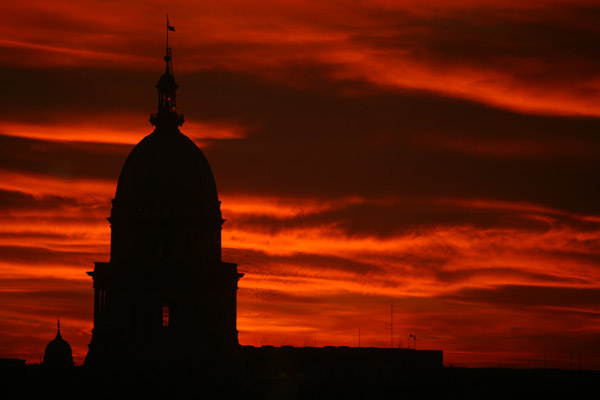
<point x="167" y="58"/>
<point x="168" y="53"/>
<point x="167" y="110"/>
<point x="58" y="329"/>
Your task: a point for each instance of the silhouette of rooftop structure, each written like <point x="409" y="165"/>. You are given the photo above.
<point x="58" y="354"/>
<point x="165" y="297"/>
<point x="323" y="361"/>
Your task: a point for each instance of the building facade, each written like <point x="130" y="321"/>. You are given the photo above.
<point x="165" y="295"/>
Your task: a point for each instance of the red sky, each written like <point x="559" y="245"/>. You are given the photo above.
<point x="441" y="158"/>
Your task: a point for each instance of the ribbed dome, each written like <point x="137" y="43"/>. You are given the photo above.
<point x="163" y="166"/>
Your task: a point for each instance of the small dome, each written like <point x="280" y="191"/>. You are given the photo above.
<point x="166" y="83"/>
<point x="58" y="353"/>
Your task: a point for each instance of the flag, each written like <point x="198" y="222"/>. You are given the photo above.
<point x="169" y="27"/>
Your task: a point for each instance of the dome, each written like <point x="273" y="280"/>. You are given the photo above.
<point x="166" y="82"/>
<point x="166" y="205"/>
<point x="164" y="167"/>
<point x="58" y="353"/>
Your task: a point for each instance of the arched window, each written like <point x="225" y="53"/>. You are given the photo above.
<point x="165" y="315"/>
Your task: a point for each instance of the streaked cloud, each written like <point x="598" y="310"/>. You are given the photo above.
<point x="441" y="157"/>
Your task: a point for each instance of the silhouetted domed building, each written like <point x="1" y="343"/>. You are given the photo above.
<point x="165" y="295"/>
<point x="58" y="354"/>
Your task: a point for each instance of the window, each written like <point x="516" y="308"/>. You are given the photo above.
<point x="165" y="315"/>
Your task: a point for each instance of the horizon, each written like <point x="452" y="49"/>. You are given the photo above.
<point x="439" y="158"/>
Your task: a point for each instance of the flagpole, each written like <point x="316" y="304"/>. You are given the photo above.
<point x="167" y="34"/>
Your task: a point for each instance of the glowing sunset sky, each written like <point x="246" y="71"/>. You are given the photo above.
<point x="443" y="158"/>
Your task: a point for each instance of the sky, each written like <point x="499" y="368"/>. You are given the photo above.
<point x="441" y="158"/>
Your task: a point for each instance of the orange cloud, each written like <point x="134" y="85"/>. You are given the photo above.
<point x="367" y="154"/>
<point x="396" y="44"/>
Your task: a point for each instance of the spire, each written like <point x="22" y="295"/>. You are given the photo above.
<point x="58" y="329"/>
<point x="167" y="115"/>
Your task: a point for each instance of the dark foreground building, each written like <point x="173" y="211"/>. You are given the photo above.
<point x="271" y="362"/>
<point x="166" y="302"/>
<point x="165" y="297"/>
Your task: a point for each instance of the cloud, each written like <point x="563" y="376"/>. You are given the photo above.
<point x="516" y="296"/>
<point x="437" y="156"/>
<point x="66" y="160"/>
<point x="47" y="258"/>
<point x="11" y="200"/>
<point x="371" y="143"/>
<point x="30" y="311"/>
